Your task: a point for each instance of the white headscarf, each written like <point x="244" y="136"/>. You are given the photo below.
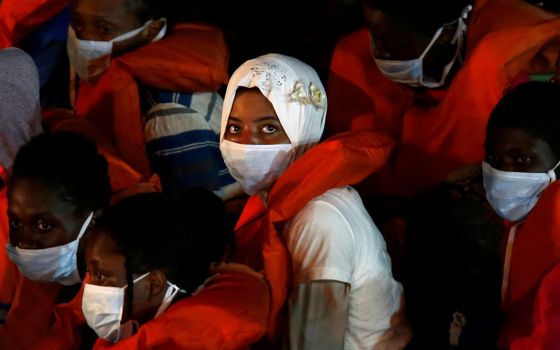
<point x="295" y="91"/>
<point x="20" y="113"/>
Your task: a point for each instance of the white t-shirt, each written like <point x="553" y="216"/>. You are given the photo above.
<point x="334" y="238"/>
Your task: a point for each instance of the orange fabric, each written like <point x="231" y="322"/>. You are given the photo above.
<point x="121" y="174"/>
<point x="535" y="254"/>
<point x="546" y="317"/>
<point x="441" y="129"/>
<point x="342" y="160"/>
<point x="192" y="58"/>
<point x="230" y="312"/>
<point x="19" y="18"/>
<point x="32" y="316"/>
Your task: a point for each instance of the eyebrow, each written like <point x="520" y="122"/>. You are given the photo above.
<point x="265" y="118"/>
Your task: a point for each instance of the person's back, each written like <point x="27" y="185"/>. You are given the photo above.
<point x="338" y="219"/>
<point x="419" y="88"/>
<point x="20" y="119"/>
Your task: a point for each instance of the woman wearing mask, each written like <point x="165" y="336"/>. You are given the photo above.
<point x="303" y="214"/>
<point x="151" y="285"/>
<point x="58" y="182"/>
<point x="522" y="155"/>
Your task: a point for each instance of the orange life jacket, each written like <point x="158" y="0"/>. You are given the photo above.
<point x="440" y="129"/>
<point x="342" y="160"/>
<point x="20" y="18"/>
<point x="531" y="302"/>
<point x="230" y="312"/>
<point x="192" y="58"/>
<point x="32" y="317"/>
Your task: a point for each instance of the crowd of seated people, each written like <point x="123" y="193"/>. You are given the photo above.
<point x="397" y="193"/>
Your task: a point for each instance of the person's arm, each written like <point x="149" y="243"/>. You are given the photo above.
<point x="318" y="313"/>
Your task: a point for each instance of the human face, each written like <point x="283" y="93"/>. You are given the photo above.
<point x="106" y="267"/>
<point x="40" y="217"/>
<point x="393" y="41"/>
<point x="102" y="20"/>
<point x="253" y="120"/>
<point x="510" y="149"/>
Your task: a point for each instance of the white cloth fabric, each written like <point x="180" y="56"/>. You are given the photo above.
<point x="20" y="113"/>
<point x="333" y="238"/>
<point x="295" y="91"/>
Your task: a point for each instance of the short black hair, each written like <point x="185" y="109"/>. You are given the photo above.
<point x="180" y="234"/>
<point x="68" y="162"/>
<point x="422" y="16"/>
<point x="146" y="9"/>
<point x="533" y="108"/>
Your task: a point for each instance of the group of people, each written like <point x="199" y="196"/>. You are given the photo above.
<point x="161" y="212"/>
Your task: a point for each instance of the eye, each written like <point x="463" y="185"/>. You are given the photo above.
<point x="104" y="29"/>
<point x="524" y="160"/>
<point x="16" y="224"/>
<point x="98" y="276"/>
<point x="233" y="129"/>
<point x="269" y="129"/>
<point x="43" y="226"/>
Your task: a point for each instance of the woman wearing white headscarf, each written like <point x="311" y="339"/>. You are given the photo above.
<point x="318" y="243"/>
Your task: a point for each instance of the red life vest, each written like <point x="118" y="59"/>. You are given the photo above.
<point x="531" y="302"/>
<point x="20" y="18"/>
<point x="230" y="312"/>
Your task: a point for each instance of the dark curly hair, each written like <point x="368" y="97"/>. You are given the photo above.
<point x="68" y="162"/>
<point x="533" y="108"/>
<point x="179" y="234"/>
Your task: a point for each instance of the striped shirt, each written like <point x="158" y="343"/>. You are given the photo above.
<point x="182" y="141"/>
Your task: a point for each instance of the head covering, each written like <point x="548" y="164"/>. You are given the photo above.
<point x="295" y="91"/>
<point x="20" y="113"/>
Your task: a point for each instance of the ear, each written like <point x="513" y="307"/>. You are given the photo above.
<point x="156" y="282"/>
<point x="153" y="29"/>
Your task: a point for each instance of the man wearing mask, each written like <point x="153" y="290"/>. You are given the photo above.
<point x="428" y="74"/>
<point x="150" y="85"/>
<point x="520" y="168"/>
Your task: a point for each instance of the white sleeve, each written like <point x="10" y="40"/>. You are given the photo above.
<point x="318" y="315"/>
<point x="321" y="244"/>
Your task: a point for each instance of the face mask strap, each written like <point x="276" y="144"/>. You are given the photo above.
<point x="85" y="226"/>
<point x="552" y="172"/>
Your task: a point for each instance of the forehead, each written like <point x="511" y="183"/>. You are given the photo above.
<point x="102" y="247"/>
<point x="251" y="104"/>
<point x="515" y="138"/>
<point x="31" y="196"/>
<point x="103" y="9"/>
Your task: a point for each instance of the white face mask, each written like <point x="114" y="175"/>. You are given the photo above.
<point x="256" y="167"/>
<point x="411" y="72"/>
<point x="90" y="58"/>
<point x="55" y="264"/>
<point x="514" y="194"/>
<point x="103" y="309"/>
